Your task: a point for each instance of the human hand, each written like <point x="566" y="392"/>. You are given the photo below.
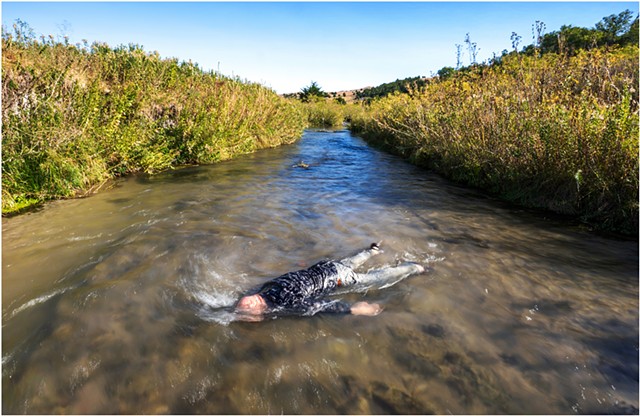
<point x="367" y="309"/>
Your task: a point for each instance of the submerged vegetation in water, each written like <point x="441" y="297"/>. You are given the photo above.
<point x="557" y="131"/>
<point x="74" y="116"/>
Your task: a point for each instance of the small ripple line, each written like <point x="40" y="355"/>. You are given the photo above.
<point x="37" y="301"/>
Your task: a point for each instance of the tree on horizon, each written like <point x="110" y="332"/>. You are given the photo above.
<point x="313" y="90"/>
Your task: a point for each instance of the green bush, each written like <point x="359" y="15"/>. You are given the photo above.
<point x="324" y="114"/>
<point x="555" y="132"/>
<point x="74" y="116"/>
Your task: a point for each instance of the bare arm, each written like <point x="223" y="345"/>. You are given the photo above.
<point x="367" y="309"/>
<point x="358" y="308"/>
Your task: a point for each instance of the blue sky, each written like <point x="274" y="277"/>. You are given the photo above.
<point x="286" y="45"/>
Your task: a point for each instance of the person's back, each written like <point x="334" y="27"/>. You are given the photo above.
<point x="302" y="291"/>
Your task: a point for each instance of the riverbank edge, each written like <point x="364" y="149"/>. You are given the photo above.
<point x="570" y="219"/>
<point x="75" y="117"/>
<point x="556" y="133"/>
<point x="34" y="205"/>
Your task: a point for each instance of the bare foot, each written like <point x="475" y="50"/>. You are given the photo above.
<point x="375" y="248"/>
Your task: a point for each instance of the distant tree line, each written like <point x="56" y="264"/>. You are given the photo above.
<point x="616" y="30"/>
<point x="620" y="30"/>
<point x="400" y="85"/>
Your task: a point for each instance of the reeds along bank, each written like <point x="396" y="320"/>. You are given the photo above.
<point x="555" y="131"/>
<point x="75" y="115"/>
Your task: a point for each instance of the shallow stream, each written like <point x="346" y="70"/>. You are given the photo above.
<point x="119" y="303"/>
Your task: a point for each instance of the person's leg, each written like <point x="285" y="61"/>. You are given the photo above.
<point x="388" y="276"/>
<point x="359" y="259"/>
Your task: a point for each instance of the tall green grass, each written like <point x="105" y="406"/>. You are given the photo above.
<point x="74" y="116"/>
<point x="330" y="113"/>
<point x="323" y="113"/>
<point x="552" y="132"/>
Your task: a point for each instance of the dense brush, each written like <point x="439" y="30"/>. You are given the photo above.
<point x="74" y="116"/>
<point x="554" y="131"/>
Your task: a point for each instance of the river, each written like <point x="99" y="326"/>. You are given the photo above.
<point x="120" y="303"/>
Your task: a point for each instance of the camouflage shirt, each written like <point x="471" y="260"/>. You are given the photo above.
<point x="301" y="292"/>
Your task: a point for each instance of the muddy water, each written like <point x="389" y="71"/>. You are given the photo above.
<point x="119" y="303"/>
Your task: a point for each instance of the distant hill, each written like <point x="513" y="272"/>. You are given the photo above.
<point x="381" y="90"/>
<point x="348" y="95"/>
<point x="364" y="93"/>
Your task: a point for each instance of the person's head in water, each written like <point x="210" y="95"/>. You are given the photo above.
<point x="252" y="305"/>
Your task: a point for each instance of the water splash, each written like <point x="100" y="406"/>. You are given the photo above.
<point x="211" y="291"/>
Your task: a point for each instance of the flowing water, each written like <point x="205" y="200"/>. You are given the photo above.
<point x="122" y="302"/>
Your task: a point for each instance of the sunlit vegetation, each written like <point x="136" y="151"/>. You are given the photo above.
<point x="382" y="90"/>
<point x="553" y="130"/>
<point x="614" y="30"/>
<point x="311" y="93"/>
<point x="324" y="114"/>
<point x="74" y="116"/>
<point x="331" y="114"/>
<point x="320" y="109"/>
<point x="552" y="125"/>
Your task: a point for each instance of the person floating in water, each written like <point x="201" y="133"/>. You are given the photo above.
<point x="302" y="292"/>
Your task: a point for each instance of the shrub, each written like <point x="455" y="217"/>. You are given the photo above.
<point x="324" y="114"/>
<point x="553" y="132"/>
<point x="74" y="116"/>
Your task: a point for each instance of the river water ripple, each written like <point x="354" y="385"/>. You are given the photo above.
<point x="118" y="303"/>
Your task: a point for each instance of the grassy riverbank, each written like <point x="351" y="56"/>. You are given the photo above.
<point x="74" y="116"/>
<point x="324" y="114"/>
<point x="556" y="132"/>
<point x="330" y="114"/>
